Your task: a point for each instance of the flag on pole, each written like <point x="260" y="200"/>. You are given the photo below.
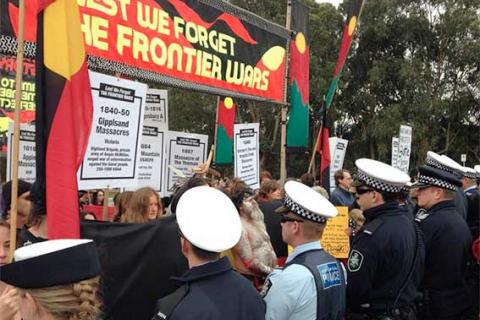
<point x="63" y="116"/>
<point x="226" y="109"/>
<point x="298" y="118"/>
<point x="323" y="149"/>
<point x="354" y="11"/>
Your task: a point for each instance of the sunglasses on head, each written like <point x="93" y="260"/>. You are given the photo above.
<point x="362" y="191"/>
<point x="284" y="219"/>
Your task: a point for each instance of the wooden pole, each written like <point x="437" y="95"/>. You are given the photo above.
<point x="283" y="140"/>
<point x="216" y="125"/>
<point x="16" y="128"/>
<point x="314" y="151"/>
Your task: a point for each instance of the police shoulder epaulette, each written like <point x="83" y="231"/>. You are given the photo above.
<point x="421" y="215"/>
<point x="372" y="226"/>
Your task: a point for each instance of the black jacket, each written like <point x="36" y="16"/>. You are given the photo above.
<point x="274" y="228"/>
<point x="448" y="246"/>
<point x="382" y="255"/>
<point x="214" y="291"/>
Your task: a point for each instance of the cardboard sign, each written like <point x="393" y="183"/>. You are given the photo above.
<point x="338" y="149"/>
<point x="151" y="164"/>
<point x="246" y="154"/>
<point x="335" y="239"/>
<point x="156" y="109"/>
<point x="114" y="145"/>
<point x="185" y="151"/>
<point x="26" y="153"/>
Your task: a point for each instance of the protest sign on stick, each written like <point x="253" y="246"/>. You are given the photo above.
<point x="114" y="145"/>
<point x="246" y="149"/>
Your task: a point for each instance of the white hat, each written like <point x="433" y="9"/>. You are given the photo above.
<point x="469" y="173"/>
<point x="477" y="169"/>
<point x="380" y="175"/>
<point x="52" y="262"/>
<point x="443" y="162"/>
<point x="208" y="219"/>
<point x="306" y="203"/>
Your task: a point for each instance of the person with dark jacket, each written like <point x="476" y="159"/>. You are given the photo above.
<point x="209" y="224"/>
<point x="387" y="255"/>
<point x="448" y="247"/>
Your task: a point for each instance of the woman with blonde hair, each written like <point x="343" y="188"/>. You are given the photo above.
<point x="122" y="201"/>
<point x="56" y="280"/>
<point x="144" y="206"/>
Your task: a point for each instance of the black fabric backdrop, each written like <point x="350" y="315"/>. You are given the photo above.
<point x="137" y="262"/>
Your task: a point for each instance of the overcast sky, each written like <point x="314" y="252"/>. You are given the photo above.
<point x="334" y="2"/>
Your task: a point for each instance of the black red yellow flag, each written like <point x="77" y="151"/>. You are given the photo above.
<point x="354" y="11"/>
<point x="298" y="118"/>
<point x="226" y="109"/>
<point x="63" y="116"/>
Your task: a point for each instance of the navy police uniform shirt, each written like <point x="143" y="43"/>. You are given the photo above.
<point x="448" y="244"/>
<point x="216" y="292"/>
<point x="380" y="259"/>
<point x="291" y="293"/>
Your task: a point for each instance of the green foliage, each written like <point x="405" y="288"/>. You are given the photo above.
<point x="416" y="63"/>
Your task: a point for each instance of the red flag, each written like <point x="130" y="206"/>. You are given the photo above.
<point x="323" y="149"/>
<point x="64" y="115"/>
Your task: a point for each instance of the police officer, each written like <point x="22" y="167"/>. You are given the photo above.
<point x="448" y="245"/>
<point x="386" y="256"/>
<point x="449" y="165"/>
<point x="209" y="224"/>
<point x="311" y="285"/>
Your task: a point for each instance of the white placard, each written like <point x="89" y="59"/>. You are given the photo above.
<point x="246" y="153"/>
<point x="156" y="109"/>
<point x="338" y="149"/>
<point x="114" y="145"/>
<point x="395" y="143"/>
<point x="463" y="157"/>
<point x="185" y="151"/>
<point x="26" y="153"/>
<point x="150" y="165"/>
<point x="404" y="147"/>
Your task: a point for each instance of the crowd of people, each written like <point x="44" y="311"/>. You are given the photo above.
<point x="414" y="248"/>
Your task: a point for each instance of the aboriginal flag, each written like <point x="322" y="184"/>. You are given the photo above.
<point x="298" y="118"/>
<point x="354" y="11"/>
<point x="63" y="115"/>
<point x="226" y="109"/>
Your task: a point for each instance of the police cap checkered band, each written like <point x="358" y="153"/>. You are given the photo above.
<point x="435" y="164"/>
<point x="378" y="184"/>
<point x="469" y="173"/>
<point x="302" y="212"/>
<point x="381" y="176"/>
<point x="444" y="163"/>
<point x="431" y="181"/>
<point x="428" y="176"/>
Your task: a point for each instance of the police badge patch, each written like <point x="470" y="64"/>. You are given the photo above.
<point x="355" y="261"/>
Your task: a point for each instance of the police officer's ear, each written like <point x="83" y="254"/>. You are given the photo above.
<point x="184" y="245"/>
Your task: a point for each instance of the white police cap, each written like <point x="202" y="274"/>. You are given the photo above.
<point x="443" y="162"/>
<point x="477" y="169"/>
<point x="208" y="219"/>
<point x="306" y="203"/>
<point x="380" y="176"/>
<point x="469" y="173"/>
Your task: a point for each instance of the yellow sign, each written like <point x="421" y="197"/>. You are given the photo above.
<point x="335" y="239"/>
